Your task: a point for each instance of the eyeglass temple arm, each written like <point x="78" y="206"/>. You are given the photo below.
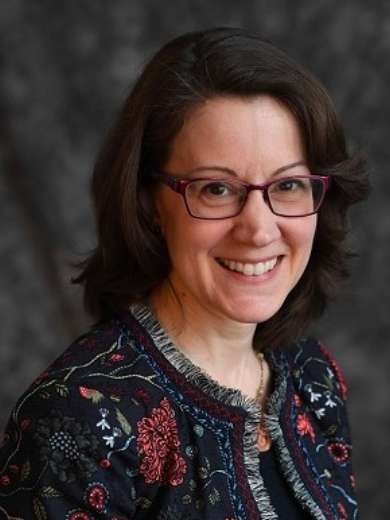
<point x="176" y="184"/>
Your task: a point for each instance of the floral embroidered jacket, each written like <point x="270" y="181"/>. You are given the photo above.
<point x="122" y="426"/>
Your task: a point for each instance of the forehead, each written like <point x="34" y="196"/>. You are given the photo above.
<point x="243" y="134"/>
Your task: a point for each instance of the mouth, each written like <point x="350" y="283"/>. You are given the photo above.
<point x="249" y="269"/>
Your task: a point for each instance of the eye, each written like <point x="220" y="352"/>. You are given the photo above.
<point x="213" y="189"/>
<point x="217" y="189"/>
<point x="287" y="185"/>
<point x="291" y="184"/>
<point x="214" y="192"/>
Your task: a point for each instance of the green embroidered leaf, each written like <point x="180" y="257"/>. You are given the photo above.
<point x="332" y="430"/>
<point x="132" y="472"/>
<point x="123" y="422"/>
<point x="49" y="492"/>
<point x="144" y="502"/>
<point x="44" y="395"/>
<point x="62" y="390"/>
<point x="96" y="396"/>
<point x="90" y="393"/>
<point x="39" y="509"/>
<point x="203" y="473"/>
<point x="26" y="469"/>
<point x="199" y="504"/>
<point x="214" y="496"/>
<point x="187" y="500"/>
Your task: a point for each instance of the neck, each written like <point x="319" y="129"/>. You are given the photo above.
<point x="221" y="348"/>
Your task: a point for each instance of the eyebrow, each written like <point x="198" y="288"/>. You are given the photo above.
<point x="229" y="171"/>
<point x="288" y="167"/>
<point x="216" y="168"/>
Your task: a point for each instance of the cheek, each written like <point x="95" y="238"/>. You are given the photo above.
<point x="300" y="236"/>
<point x="180" y="233"/>
<point x="192" y="239"/>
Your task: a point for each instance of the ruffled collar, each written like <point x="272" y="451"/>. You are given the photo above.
<point x="200" y="379"/>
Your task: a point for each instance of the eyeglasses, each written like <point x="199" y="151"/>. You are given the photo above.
<point x="216" y="199"/>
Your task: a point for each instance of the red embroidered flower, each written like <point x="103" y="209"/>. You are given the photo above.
<point x="25" y="424"/>
<point x="305" y="427"/>
<point x="117" y="357"/>
<point x="141" y="396"/>
<point x="342" y="510"/>
<point x="5" y="439"/>
<point x="79" y="515"/>
<point x="5" y="480"/>
<point x="90" y="393"/>
<point x="297" y="400"/>
<point x="340" y="378"/>
<point x="159" y="443"/>
<point x="89" y="344"/>
<point x="85" y="392"/>
<point x="113" y="391"/>
<point x="338" y="451"/>
<point x="97" y="496"/>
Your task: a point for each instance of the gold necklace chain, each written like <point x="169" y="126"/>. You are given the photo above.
<point x="263" y="439"/>
<point x="260" y="389"/>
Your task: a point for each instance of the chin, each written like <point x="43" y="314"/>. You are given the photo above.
<point x="254" y="315"/>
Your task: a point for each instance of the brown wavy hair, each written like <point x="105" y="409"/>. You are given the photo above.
<point x="130" y="259"/>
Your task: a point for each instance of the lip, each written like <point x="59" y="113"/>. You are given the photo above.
<point x="249" y="268"/>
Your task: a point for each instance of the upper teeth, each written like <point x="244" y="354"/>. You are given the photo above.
<point x="250" y="269"/>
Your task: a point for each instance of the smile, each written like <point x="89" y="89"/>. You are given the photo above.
<point x="249" y="269"/>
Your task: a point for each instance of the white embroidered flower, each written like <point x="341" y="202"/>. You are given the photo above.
<point x="110" y="440"/>
<point x="103" y="424"/>
<point x="320" y="412"/>
<point x="330" y="373"/>
<point x="329" y="401"/>
<point x="314" y="396"/>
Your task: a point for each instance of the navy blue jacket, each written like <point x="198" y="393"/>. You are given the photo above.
<point x="122" y="426"/>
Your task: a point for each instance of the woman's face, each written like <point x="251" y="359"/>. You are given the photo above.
<point x="254" y="140"/>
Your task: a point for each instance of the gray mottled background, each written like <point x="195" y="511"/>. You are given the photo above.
<point x="66" y="66"/>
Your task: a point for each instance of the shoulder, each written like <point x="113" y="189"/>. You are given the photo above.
<point x="92" y="349"/>
<point x="311" y="360"/>
<point x="91" y="387"/>
<point x="107" y="350"/>
<point x="318" y="381"/>
<point x="317" y="419"/>
<point x="101" y="370"/>
<point x="76" y="421"/>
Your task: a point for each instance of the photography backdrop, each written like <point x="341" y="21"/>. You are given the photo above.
<point x="66" y="67"/>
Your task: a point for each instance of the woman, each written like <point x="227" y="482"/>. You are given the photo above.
<point x="221" y="197"/>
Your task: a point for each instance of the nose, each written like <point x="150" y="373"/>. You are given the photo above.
<point x="256" y="223"/>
